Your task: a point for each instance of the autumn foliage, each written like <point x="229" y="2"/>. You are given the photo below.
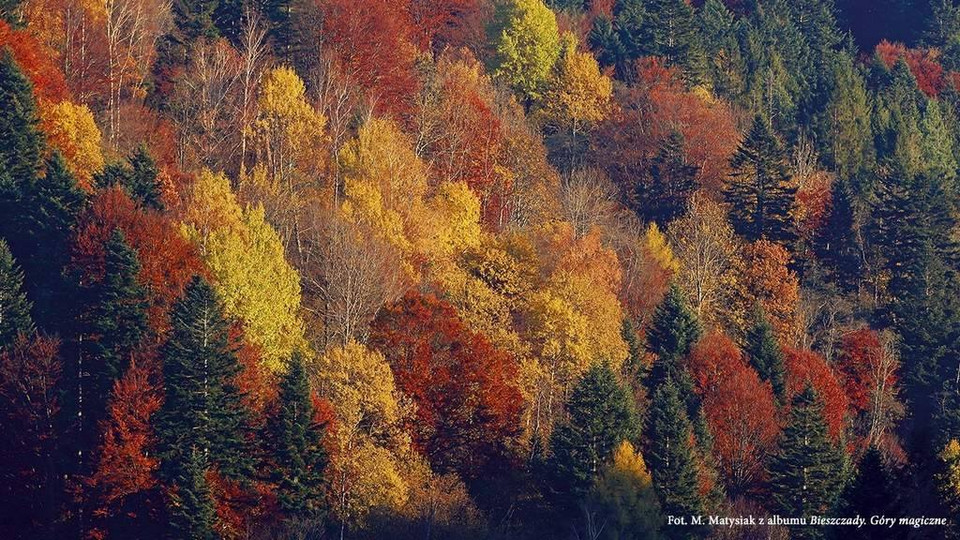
<point x="468" y="404"/>
<point x="809" y="368"/>
<point x="923" y="64"/>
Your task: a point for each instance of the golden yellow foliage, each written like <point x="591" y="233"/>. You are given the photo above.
<point x="246" y="258"/>
<point x="71" y="129"/>
<point x="625" y="498"/>
<point x="660" y="249"/>
<point x="288" y="128"/>
<point x="367" y="466"/>
<point x="579" y="95"/>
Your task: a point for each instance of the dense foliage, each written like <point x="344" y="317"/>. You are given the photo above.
<point x="477" y="268"/>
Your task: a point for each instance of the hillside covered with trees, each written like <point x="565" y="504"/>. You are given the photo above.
<point x="463" y="269"/>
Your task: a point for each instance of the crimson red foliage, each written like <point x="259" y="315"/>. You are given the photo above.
<point x="922" y="63"/>
<point x="468" y="404"/>
<point x="373" y="41"/>
<point x="125" y="467"/>
<point x="648" y="112"/>
<point x="167" y="259"/>
<point x="36" y="62"/>
<point x="809" y="368"/>
<point x="440" y="22"/>
<point x="739" y="409"/>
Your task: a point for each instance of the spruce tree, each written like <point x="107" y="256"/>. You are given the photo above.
<point x="202" y="405"/>
<point x="759" y="194"/>
<point x="872" y="494"/>
<point x="662" y="194"/>
<point x="191" y="508"/>
<point x="669" y="30"/>
<point x="601" y="414"/>
<point x="671" y="458"/>
<point x="21" y="142"/>
<point x="114" y="323"/>
<point x="139" y="177"/>
<point x="298" y="455"/>
<point x="806" y="475"/>
<point x="671" y="336"/>
<point x="14" y="306"/>
<point x="763" y="351"/>
<point x="837" y="244"/>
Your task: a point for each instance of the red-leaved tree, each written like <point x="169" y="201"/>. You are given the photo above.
<point x="809" y="368"/>
<point x="468" y="403"/>
<point x="739" y="409"/>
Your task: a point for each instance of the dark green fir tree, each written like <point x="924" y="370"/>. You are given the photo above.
<point x="672" y="459"/>
<point x="298" y="456"/>
<point x="763" y="351"/>
<point x="191" y="507"/>
<point x="673" y="332"/>
<point x="662" y="194"/>
<point x="601" y="414"/>
<point x="872" y="493"/>
<point x="670" y="31"/>
<point x="202" y="405"/>
<point x="759" y="194"/>
<point x="114" y="323"/>
<point x="806" y="475"/>
<point x="14" y="306"/>
<point x="21" y="142"/>
<point x="139" y="177"/>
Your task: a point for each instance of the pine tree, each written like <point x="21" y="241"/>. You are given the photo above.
<point x="191" y="506"/>
<point x="806" y="476"/>
<point x="139" y="177"/>
<point x="601" y="415"/>
<point x="724" y="63"/>
<point x="114" y="323"/>
<point x="298" y="455"/>
<point x="759" y="194"/>
<point x="202" y="406"/>
<point x="872" y="494"/>
<point x="672" y="334"/>
<point x="661" y="196"/>
<point x="14" y="306"/>
<point x="763" y="351"/>
<point x="21" y="142"/>
<point x="671" y="457"/>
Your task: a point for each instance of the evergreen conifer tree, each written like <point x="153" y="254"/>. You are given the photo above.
<point x="671" y="336"/>
<point x="139" y="177"/>
<point x="114" y="325"/>
<point x="760" y="197"/>
<point x="806" y="476"/>
<point x="670" y="181"/>
<point x="191" y="507"/>
<point x="298" y="455"/>
<point x="837" y="244"/>
<point x="763" y="351"/>
<point x="202" y="405"/>
<point x="671" y="458"/>
<point x="669" y="30"/>
<point x="21" y="142"/>
<point x="601" y="415"/>
<point x="872" y="494"/>
<point x="14" y="306"/>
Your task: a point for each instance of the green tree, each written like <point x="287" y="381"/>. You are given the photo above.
<point x="937" y="153"/>
<point x="601" y="413"/>
<point x="724" y="62"/>
<point x="527" y="44"/>
<point x="298" y="456"/>
<point x="14" y="306"/>
<point x="139" y="176"/>
<point x="21" y="142"/>
<point x="673" y="332"/>
<point x="113" y="324"/>
<point x="191" y="507"/>
<point x="671" y="457"/>
<point x="202" y="406"/>
<point x="662" y="193"/>
<point x="759" y="194"/>
<point x="763" y="351"/>
<point x="838" y="245"/>
<point x="849" y="147"/>
<point x="872" y="493"/>
<point x="669" y="31"/>
<point x="806" y="476"/>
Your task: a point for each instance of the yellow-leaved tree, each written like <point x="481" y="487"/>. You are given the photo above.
<point x="246" y="259"/>
<point x="624" y="497"/>
<point x="368" y="446"/>
<point x="579" y="95"/>
<point x="71" y="129"/>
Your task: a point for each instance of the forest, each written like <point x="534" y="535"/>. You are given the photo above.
<point x="479" y="269"/>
